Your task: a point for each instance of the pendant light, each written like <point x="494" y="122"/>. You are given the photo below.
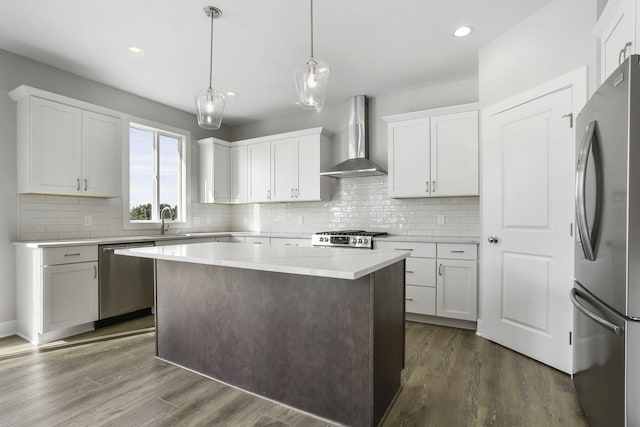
<point x="209" y="103"/>
<point x="311" y="79"/>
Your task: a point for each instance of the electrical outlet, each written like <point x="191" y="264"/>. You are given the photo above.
<point x="87" y="220"/>
<point x="300" y="219"/>
<point x="208" y="220"/>
<point x="440" y="219"/>
<point x="196" y="220"/>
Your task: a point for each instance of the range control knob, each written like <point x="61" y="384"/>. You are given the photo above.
<point x="354" y="241"/>
<point x="359" y="240"/>
<point x="365" y="241"/>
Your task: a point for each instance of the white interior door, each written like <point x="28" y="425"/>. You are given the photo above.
<point x="528" y="204"/>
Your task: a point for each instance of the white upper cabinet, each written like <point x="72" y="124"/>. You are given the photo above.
<point x="65" y="148"/>
<point x="616" y="34"/>
<point x="101" y="155"/>
<point x="454" y="154"/>
<point x="286" y="168"/>
<point x="433" y="153"/>
<point x="278" y="168"/>
<point x="239" y="174"/>
<point x="259" y="164"/>
<point x="214" y="159"/>
<point x="50" y="148"/>
<point x="312" y="154"/>
<point x="283" y="169"/>
<point x="409" y="158"/>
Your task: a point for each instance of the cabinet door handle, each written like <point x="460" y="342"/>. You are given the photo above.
<point x="427" y="184"/>
<point x="292" y="193"/>
<point x="257" y="243"/>
<point x="433" y="187"/>
<point x="408" y="299"/>
<point x="78" y="184"/>
<point x="269" y="194"/>
<point x="85" y="184"/>
<point x="402" y="249"/>
<point x="95" y="272"/>
<point x="457" y="252"/>
<point x="409" y="271"/>
<point x="297" y="192"/>
<point x="440" y="269"/>
<point x="74" y="254"/>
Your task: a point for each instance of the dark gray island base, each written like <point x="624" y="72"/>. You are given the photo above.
<point x="330" y="347"/>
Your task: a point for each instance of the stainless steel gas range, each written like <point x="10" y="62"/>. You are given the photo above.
<point x="346" y="238"/>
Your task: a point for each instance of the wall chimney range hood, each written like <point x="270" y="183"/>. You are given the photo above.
<point x="358" y="163"/>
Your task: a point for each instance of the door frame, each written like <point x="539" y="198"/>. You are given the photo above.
<point x="577" y="80"/>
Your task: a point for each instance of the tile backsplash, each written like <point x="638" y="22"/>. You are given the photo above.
<point x="363" y="203"/>
<point x="58" y="217"/>
<point x="356" y="203"/>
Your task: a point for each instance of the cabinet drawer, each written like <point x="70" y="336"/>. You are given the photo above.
<point x="285" y="241"/>
<point x="420" y="271"/>
<point x="421" y="300"/>
<point x="458" y="250"/>
<point x="69" y="254"/>
<point x="417" y="249"/>
<point x="257" y="240"/>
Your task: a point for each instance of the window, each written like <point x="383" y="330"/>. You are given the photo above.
<point x="156" y="175"/>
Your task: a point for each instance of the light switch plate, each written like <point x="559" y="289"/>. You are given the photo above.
<point x="87" y="220"/>
<point x="440" y="219"/>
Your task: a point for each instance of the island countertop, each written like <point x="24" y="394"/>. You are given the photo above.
<point x="338" y="263"/>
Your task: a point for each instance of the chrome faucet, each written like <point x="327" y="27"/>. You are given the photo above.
<point x="162" y="216"/>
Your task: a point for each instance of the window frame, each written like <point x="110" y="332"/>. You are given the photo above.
<point x="184" y="201"/>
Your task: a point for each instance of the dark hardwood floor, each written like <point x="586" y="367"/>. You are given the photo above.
<point x="452" y="378"/>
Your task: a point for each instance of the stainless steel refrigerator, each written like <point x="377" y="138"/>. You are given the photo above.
<point x="606" y="294"/>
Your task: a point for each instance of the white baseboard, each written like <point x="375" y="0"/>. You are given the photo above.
<point x="8" y="328"/>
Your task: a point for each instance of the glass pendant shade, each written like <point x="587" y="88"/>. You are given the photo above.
<point x="210" y="107"/>
<point x="311" y="80"/>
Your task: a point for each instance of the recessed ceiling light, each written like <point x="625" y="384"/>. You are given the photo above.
<point x="462" y="32"/>
<point x="231" y="94"/>
<point x="135" y="50"/>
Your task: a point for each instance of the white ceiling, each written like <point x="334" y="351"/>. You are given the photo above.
<point x="374" y="47"/>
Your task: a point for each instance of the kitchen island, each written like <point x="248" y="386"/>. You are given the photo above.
<point x="320" y="330"/>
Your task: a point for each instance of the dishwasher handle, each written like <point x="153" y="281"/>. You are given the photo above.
<point x="113" y="248"/>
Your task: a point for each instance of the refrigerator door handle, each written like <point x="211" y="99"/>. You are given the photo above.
<point x="612" y="327"/>
<point x="588" y="244"/>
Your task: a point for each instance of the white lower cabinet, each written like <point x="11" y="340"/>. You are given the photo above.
<point x="420" y="299"/>
<point x="69" y="295"/>
<point x="57" y="291"/>
<point x="457" y="289"/>
<point x="441" y="279"/>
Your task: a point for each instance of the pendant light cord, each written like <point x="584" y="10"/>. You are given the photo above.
<point x="312" y="28"/>
<point x="211" y="53"/>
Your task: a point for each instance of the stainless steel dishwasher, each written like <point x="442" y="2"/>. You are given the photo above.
<point x="125" y="283"/>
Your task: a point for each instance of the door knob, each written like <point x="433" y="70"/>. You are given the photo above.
<point x="493" y="239"/>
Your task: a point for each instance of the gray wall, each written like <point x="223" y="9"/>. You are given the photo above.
<point x="553" y="41"/>
<point x="334" y="117"/>
<point x="16" y="70"/>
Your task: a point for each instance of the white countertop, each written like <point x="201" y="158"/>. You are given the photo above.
<point x="201" y="235"/>
<point x="337" y="263"/>
<point x="428" y="239"/>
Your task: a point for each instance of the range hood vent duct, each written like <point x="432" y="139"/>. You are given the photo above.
<point x="358" y="163"/>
